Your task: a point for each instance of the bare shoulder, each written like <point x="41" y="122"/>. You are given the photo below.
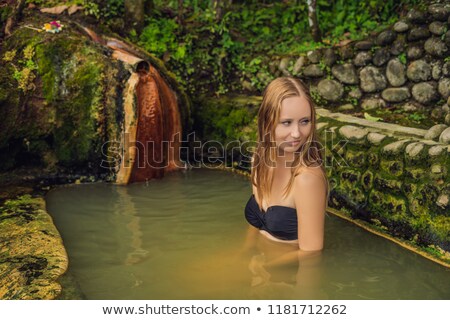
<point x="310" y="177"/>
<point x="310" y="192"/>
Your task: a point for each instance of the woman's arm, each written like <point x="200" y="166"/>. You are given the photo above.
<point x="250" y="239"/>
<point x="300" y="256"/>
<point x="310" y="201"/>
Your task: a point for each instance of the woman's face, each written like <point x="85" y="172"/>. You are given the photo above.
<point x="294" y="125"/>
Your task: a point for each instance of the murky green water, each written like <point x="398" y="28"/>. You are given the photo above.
<point x="179" y="238"/>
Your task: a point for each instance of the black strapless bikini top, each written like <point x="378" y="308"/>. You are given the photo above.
<point x="279" y="221"/>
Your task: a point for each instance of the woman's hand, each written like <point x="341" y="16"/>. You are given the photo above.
<point x="256" y="266"/>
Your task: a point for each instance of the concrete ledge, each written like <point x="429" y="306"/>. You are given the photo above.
<point x="32" y="255"/>
<point x="392" y="129"/>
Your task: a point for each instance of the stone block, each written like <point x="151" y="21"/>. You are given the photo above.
<point x="414" y="52"/>
<point x="443" y="201"/>
<point x="345" y="73"/>
<point x="353" y="133"/>
<point x="415" y="151"/>
<point x="301" y="61"/>
<point x="372" y="80"/>
<point x="362" y="58"/>
<point x="419" y="70"/>
<point x="313" y="71"/>
<point x="437" y="28"/>
<point x="425" y="92"/>
<point x="439" y="11"/>
<point x="401" y="27"/>
<point x="314" y="56"/>
<point x="395" y="73"/>
<point x="330" y="90"/>
<point x="435" y="151"/>
<point x="418" y="33"/>
<point x="445" y="136"/>
<point x="373" y="104"/>
<point x="435" y="131"/>
<point x="375" y="138"/>
<point x="381" y="56"/>
<point x="416" y="16"/>
<point x="396" y="94"/>
<point x="436" y="47"/>
<point x="395" y="148"/>
<point x="386" y="37"/>
<point x="444" y="87"/>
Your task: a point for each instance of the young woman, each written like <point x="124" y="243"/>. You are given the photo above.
<point x="289" y="182"/>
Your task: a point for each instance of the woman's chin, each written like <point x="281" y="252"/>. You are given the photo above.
<point x="287" y="150"/>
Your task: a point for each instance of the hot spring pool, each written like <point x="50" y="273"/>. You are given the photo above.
<point x="179" y="238"/>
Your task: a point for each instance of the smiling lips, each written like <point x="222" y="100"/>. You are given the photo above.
<point x="293" y="143"/>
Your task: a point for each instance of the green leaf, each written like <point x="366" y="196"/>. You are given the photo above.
<point x="371" y="118"/>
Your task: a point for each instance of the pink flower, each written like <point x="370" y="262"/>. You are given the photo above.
<point x="55" y="23"/>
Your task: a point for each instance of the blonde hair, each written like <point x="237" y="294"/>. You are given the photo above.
<point x="264" y="157"/>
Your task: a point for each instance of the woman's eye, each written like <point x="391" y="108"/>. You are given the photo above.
<point x="305" y="122"/>
<point x="286" y="123"/>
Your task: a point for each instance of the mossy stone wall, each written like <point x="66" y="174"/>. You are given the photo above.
<point x="397" y="182"/>
<point x="69" y="106"/>
<point x="401" y="74"/>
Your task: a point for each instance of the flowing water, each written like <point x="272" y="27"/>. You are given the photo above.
<point x="181" y="238"/>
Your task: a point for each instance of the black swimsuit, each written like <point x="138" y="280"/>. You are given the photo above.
<point x="279" y="221"/>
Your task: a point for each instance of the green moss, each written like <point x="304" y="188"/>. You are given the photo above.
<point x="23" y="207"/>
<point x="415" y="173"/>
<point x="355" y="158"/>
<point x="68" y="126"/>
<point x="440" y="226"/>
<point x="9" y="100"/>
<point x="435" y="251"/>
<point x="423" y="200"/>
<point x="72" y="77"/>
<point x="387" y="205"/>
<point x="9" y="103"/>
<point x="416" y="206"/>
<point x="47" y="72"/>
<point x="387" y="185"/>
<point x="52" y="57"/>
<point x="367" y="180"/>
<point x="226" y="119"/>
<point x="4" y="13"/>
<point x="373" y="158"/>
<point x="409" y="188"/>
<point x="350" y="176"/>
<point x="433" y="234"/>
<point x="394" y="168"/>
<point x="447" y="177"/>
<point x="12" y="204"/>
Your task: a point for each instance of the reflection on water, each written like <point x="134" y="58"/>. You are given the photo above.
<point x="182" y="238"/>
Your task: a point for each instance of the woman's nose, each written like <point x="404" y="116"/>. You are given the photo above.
<point x="295" y="133"/>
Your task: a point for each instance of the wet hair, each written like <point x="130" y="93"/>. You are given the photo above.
<point x="264" y="157"/>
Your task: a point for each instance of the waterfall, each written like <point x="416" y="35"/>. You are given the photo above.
<point x="151" y="136"/>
